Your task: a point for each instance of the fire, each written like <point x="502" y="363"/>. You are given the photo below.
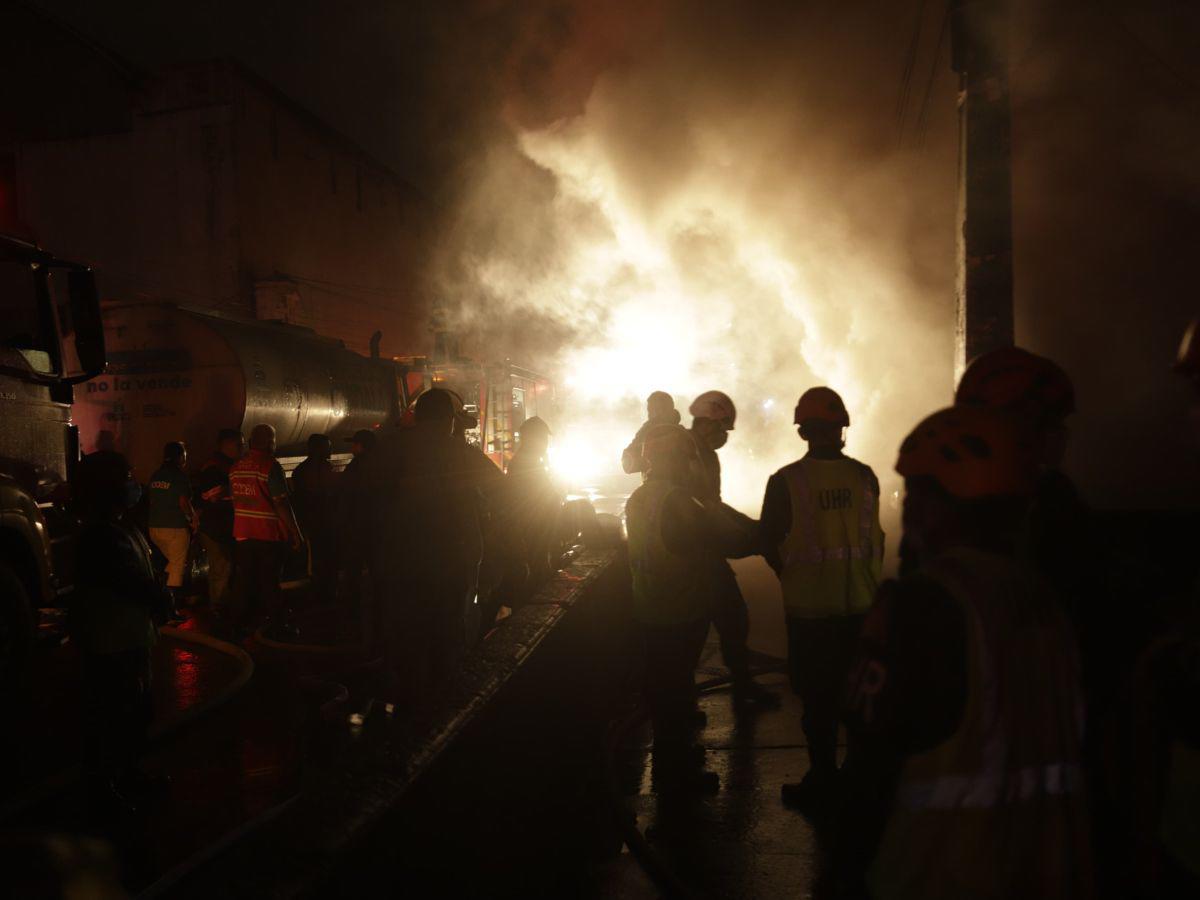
<point x="685" y="299"/>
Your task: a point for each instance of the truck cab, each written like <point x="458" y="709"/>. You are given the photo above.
<point x="51" y="338"/>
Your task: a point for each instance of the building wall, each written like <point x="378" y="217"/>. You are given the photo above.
<point x="151" y="209"/>
<point x="328" y="239"/>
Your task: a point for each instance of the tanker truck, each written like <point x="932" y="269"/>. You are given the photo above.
<point x="51" y="338"/>
<point x="179" y="373"/>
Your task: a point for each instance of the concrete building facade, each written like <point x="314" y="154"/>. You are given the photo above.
<point x="217" y="191"/>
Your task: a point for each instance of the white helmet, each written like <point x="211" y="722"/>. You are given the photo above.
<point x="714" y="405"/>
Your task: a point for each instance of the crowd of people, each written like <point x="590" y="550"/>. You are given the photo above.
<point x="418" y="546"/>
<point x="1006" y="734"/>
<point x="999" y="741"/>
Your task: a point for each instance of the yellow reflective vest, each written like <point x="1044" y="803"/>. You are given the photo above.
<point x="996" y="811"/>
<point x="833" y="553"/>
<point x="667" y="588"/>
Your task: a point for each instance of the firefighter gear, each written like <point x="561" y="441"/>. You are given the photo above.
<point x="1015" y="379"/>
<point x="821" y="535"/>
<point x="972" y="452"/>
<point x="822" y="404"/>
<point x="996" y="809"/>
<point x="255" y="481"/>
<point x="714" y="405"/>
<point x="832" y="555"/>
<point x="667" y="589"/>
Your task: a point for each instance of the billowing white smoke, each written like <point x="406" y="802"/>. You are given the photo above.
<point x="714" y="220"/>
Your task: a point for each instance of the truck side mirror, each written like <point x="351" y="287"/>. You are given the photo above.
<point x="88" y="326"/>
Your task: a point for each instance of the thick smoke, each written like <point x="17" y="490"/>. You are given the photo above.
<point x="726" y="200"/>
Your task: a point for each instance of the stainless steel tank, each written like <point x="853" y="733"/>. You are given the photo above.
<point x="177" y="373"/>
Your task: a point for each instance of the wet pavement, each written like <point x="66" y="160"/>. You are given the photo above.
<point x="741" y="842"/>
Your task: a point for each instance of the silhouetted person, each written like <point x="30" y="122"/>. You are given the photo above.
<point x="172" y="519"/>
<point x="534" y="506"/>
<point x="315" y="499"/>
<point x="427" y="541"/>
<point x="355" y="497"/>
<point x="484" y="476"/>
<point x="114" y="609"/>
<point x="660" y="410"/>
<point x="671" y="535"/>
<point x="212" y="498"/>
<point x="713" y="417"/>
<point x="964" y="776"/>
<point x="264" y="525"/>
<point x="820" y="530"/>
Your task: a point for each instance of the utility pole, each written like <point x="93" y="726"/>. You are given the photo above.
<point x="984" y="284"/>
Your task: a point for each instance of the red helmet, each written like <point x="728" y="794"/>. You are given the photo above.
<point x="1015" y="379"/>
<point x="972" y="452"/>
<point x="823" y="404"/>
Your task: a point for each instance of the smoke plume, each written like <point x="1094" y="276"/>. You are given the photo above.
<point x="715" y="197"/>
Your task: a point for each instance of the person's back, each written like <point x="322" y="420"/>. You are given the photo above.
<point x="660" y="410"/>
<point x="965" y="710"/>
<point x="1001" y="790"/>
<point x="314" y="486"/>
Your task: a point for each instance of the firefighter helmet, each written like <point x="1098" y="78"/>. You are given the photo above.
<point x="466" y="419"/>
<point x="714" y="405"/>
<point x="823" y="404"/>
<point x="432" y="405"/>
<point x="1015" y="379"/>
<point x="973" y="452"/>
<point x="1188" y="360"/>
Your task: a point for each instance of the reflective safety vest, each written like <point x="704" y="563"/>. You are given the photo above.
<point x="833" y="552"/>
<point x="254" y="516"/>
<point x="667" y="588"/>
<point x="996" y="810"/>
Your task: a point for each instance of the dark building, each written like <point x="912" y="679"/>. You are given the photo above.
<point x="204" y="185"/>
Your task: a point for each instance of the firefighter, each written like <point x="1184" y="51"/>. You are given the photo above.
<point x="534" y="505"/>
<point x="485" y="477"/>
<point x="671" y="535"/>
<point x="820" y="530"/>
<point x="314" y="497"/>
<point x="660" y="410"/>
<point x="964" y="703"/>
<point x="172" y="519"/>
<point x="215" y="504"/>
<point x="115" y="608"/>
<point x="264" y="525"/>
<point x="713" y="417"/>
<point x="427" y="545"/>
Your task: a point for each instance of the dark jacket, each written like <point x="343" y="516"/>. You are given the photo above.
<point x="117" y="598"/>
<point x="210" y="495"/>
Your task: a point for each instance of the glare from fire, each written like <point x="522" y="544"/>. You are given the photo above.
<point x="684" y="299"/>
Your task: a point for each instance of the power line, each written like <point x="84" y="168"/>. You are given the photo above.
<point x="923" y="113"/>
<point x="910" y="65"/>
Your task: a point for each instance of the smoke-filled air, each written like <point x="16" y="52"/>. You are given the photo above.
<point x="722" y="200"/>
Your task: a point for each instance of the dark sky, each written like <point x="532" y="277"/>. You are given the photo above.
<point x="1106" y="138"/>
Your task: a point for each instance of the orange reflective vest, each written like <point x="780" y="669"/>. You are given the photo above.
<point x="254" y="516"/>
<point x="997" y="810"/>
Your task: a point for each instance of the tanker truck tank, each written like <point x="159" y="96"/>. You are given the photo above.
<point x="177" y="373"/>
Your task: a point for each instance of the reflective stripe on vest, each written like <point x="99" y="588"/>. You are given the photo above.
<point x="833" y="552"/>
<point x="996" y="810"/>
<point x="666" y="587"/>
<point x="254" y="516"/>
